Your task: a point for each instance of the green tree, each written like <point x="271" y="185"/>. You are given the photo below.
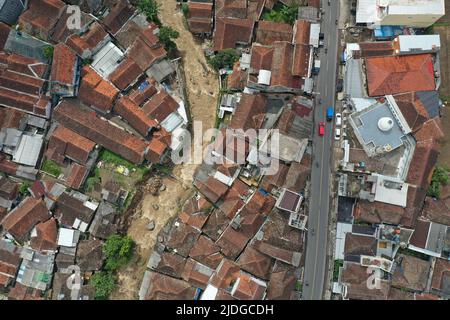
<point x="118" y="251"/>
<point x="166" y="36"/>
<point x="440" y="177"/>
<point x="104" y="283"/>
<point x="48" y="52"/>
<point x="23" y="190"/>
<point x="223" y="59"/>
<point x="150" y="8"/>
<point x="185" y="9"/>
<point x="282" y="13"/>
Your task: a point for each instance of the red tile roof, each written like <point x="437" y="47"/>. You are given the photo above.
<point x="162" y="287"/>
<point x="200" y="17"/>
<point x="25" y="65"/>
<point x="160" y="106"/>
<point x="211" y="188"/>
<point x="140" y="96"/>
<point x="77" y="176"/>
<point x="302" y="29"/>
<point x="41" y="17"/>
<point x="232" y="242"/>
<point x="248" y="289"/>
<point x="63" y="66"/>
<point x="95" y="91"/>
<point x="226" y="274"/>
<point x="412" y="109"/>
<point x="247" y="112"/>
<point x="231" y="8"/>
<point x="120" y="13"/>
<point x="125" y="74"/>
<point x="86" y="44"/>
<point x="156" y="150"/>
<point x="145" y="52"/>
<point x="400" y="74"/>
<point x="268" y="32"/>
<point x="135" y="116"/>
<point x="441" y="273"/>
<point x="20" y="221"/>
<point x="47" y="236"/>
<point x="100" y="131"/>
<point x="230" y="31"/>
<point x="256" y="263"/>
<point x="69" y="143"/>
<point x="206" y="252"/>
<point x="196" y="274"/>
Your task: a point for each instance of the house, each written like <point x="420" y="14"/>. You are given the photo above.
<point x="200" y="17"/>
<point x="400" y="74"/>
<point x="353" y="277"/>
<point x="65" y="143"/>
<point x="250" y="112"/>
<point x="255" y="263"/>
<point x="167" y="263"/>
<point x="21" y="292"/>
<point x="9" y="190"/>
<point x="41" y="17"/>
<point x="44" y="237"/>
<point x="160" y="106"/>
<point x="196" y="274"/>
<point x="119" y="14"/>
<point x="103" y="225"/>
<point x="230" y="33"/>
<point x="65" y="76"/>
<point x="90" y="42"/>
<point x="441" y="274"/>
<point x="113" y="193"/>
<point x="411" y="273"/>
<point x="268" y="32"/>
<point x="11" y="10"/>
<point x="22" y="86"/>
<point x="135" y="116"/>
<point x="281" y="283"/>
<point x="195" y="211"/>
<point x="36" y="269"/>
<point x="100" y="131"/>
<point x="161" y="287"/>
<point x="181" y="238"/>
<point x="90" y="255"/>
<point x="206" y="252"/>
<point x="247" y="287"/>
<point x="21" y="221"/>
<point x="64" y="27"/>
<point x="399" y="12"/>
<point x="430" y="238"/>
<point x="272" y="68"/>
<point x="126" y="74"/>
<point x="10" y="260"/>
<point x="96" y="92"/>
<point x="75" y="211"/>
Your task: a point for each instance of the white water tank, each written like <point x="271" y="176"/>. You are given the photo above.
<point x="264" y="77"/>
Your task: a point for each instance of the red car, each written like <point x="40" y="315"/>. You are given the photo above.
<point x="321" y="129"/>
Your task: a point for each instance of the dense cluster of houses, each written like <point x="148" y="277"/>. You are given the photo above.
<point x="242" y="234"/>
<point x="67" y="94"/>
<point x="387" y="224"/>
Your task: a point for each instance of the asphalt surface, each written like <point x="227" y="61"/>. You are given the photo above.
<point x="325" y="90"/>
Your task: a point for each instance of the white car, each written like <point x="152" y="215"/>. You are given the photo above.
<point x="337" y="134"/>
<point x="338" y="119"/>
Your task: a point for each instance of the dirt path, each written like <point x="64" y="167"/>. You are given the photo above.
<point x="202" y="89"/>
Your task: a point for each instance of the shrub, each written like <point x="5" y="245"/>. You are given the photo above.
<point x="224" y="59"/>
<point x="150" y="8"/>
<point x="104" y="283"/>
<point x="118" y="251"/>
<point x="166" y="36"/>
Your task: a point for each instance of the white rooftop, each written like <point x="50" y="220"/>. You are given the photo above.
<point x="107" y="59"/>
<point x="424" y="42"/>
<point x="390" y="190"/>
<point x="66" y="237"/>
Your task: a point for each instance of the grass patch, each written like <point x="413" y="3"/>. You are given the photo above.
<point x="51" y="167"/>
<point x="337" y="265"/>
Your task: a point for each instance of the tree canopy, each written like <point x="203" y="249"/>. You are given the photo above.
<point x="118" y="251"/>
<point x="103" y="283"/>
<point x="224" y="59"/>
<point x="150" y="8"/>
<point x="166" y="36"/>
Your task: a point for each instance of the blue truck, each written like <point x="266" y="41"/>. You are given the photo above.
<point x="330" y="114"/>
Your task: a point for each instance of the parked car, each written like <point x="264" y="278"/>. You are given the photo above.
<point x="337" y="134"/>
<point x="338" y="119"/>
<point x="321" y="129"/>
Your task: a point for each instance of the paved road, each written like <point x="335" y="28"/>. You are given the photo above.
<point x="316" y="249"/>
